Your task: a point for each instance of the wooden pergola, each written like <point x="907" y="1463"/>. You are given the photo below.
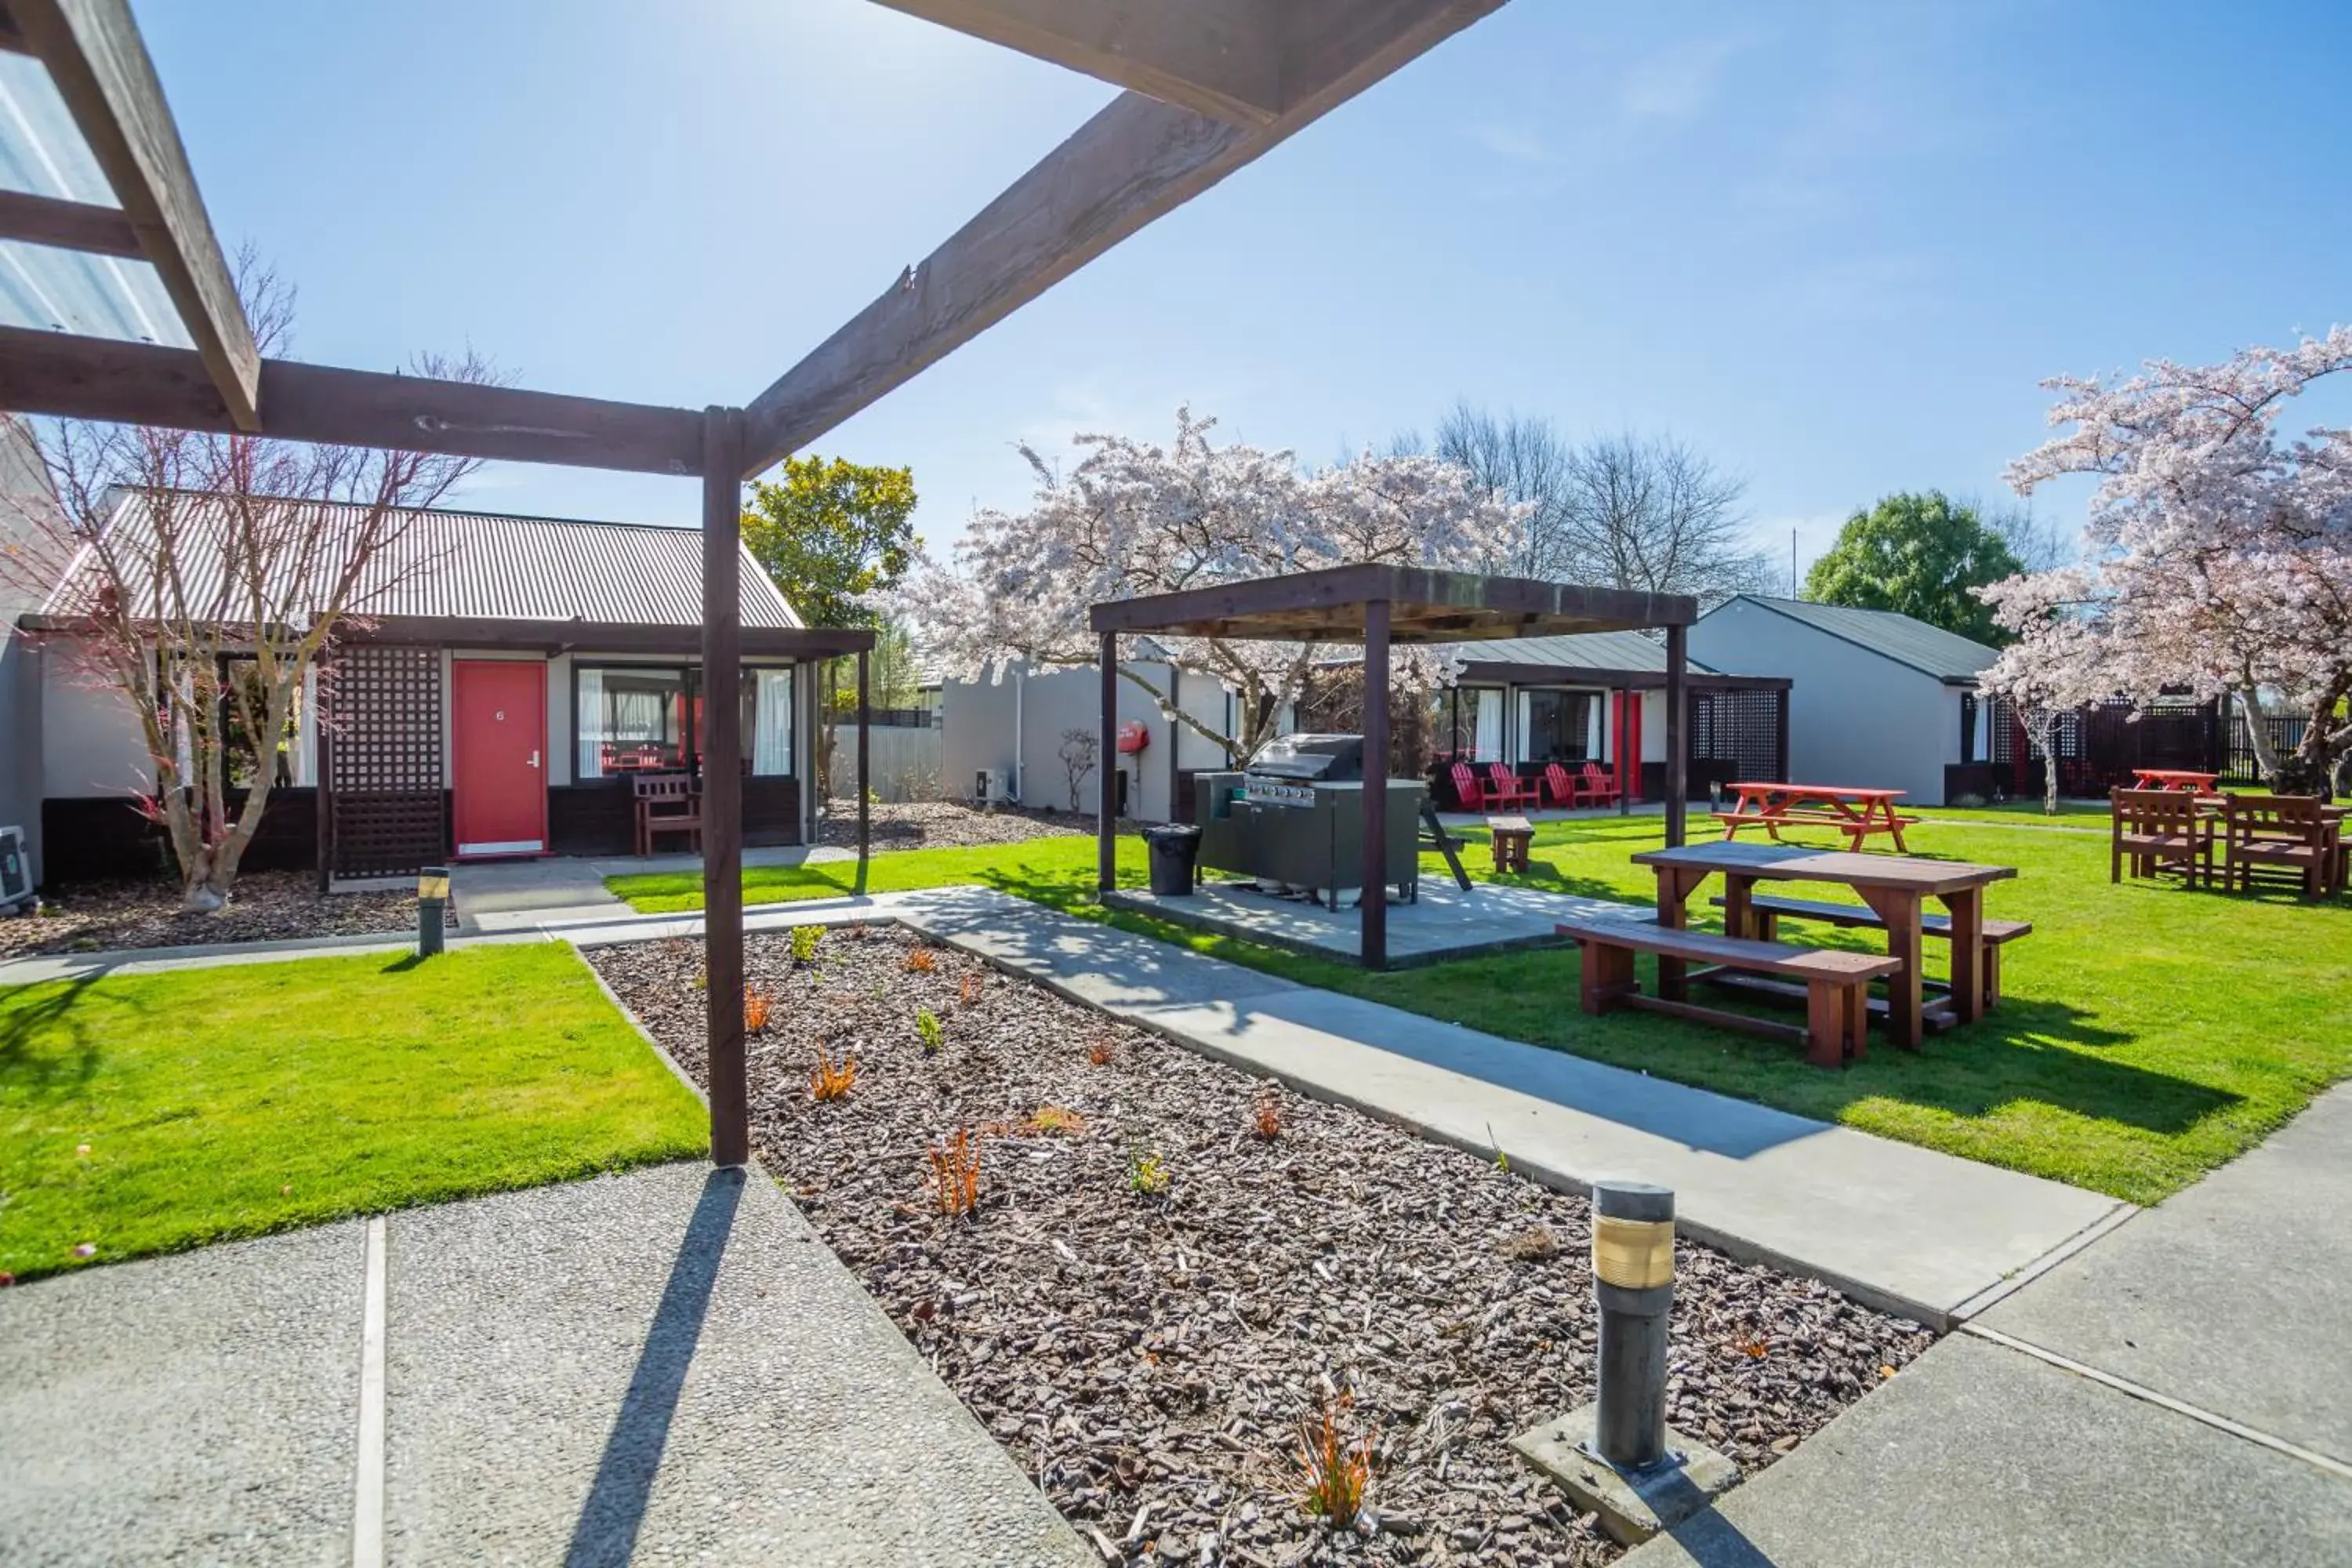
<point x="1379" y="606"/>
<point x="1211" y="85"/>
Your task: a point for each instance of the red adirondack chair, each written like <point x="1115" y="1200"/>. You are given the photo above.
<point x="1564" y="785"/>
<point x="1597" y="786"/>
<point x="1510" y="789"/>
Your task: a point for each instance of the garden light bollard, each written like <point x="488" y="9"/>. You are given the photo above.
<point x="432" y="904"/>
<point x="1633" y="1280"/>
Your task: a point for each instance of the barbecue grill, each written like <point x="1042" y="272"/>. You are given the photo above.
<point x="1293" y="820"/>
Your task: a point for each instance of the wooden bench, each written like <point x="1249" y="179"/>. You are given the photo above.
<point x="1512" y="836"/>
<point x="667" y="802"/>
<point x="1836" y="984"/>
<point x="1770" y="908"/>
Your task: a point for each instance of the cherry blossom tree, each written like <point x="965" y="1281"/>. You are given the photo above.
<point x="2219" y="552"/>
<point x="1134" y="519"/>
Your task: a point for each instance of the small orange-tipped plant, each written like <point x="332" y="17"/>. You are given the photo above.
<point x="922" y="961"/>
<point x="969" y="992"/>
<point x="955" y="1175"/>
<point x="1099" y="1053"/>
<point x="756" y="1003"/>
<point x="1047" y="1120"/>
<point x="1268" y="1119"/>
<point x="830" y="1080"/>
<point x="1332" y="1476"/>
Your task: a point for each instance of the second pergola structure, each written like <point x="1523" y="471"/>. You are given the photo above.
<point x="1379" y="606"/>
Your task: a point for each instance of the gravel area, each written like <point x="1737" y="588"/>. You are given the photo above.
<point x="944" y="825"/>
<point x="264" y="906"/>
<point x="1147" y="1358"/>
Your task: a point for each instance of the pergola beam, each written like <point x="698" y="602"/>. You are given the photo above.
<point x="1218" y="58"/>
<point x="100" y="64"/>
<point x="67" y="226"/>
<point x="1136" y="161"/>
<point x="72" y="377"/>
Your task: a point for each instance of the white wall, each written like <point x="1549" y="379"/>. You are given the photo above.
<point x="91" y="743"/>
<point x="1855" y="718"/>
<point x="980" y="722"/>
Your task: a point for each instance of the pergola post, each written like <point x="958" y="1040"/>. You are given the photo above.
<point x="722" y="782"/>
<point x="1373" y="904"/>
<point x="865" y="809"/>
<point x="1106" y="772"/>
<point x="1677" y="733"/>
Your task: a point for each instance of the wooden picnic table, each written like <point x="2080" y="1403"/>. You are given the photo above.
<point x="2175" y="778"/>
<point x="1895" y="887"/>
<point x="1856" y="813"/>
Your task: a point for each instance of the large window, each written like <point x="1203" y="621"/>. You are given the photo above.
<point x="639" y="718"/>
<point x="1558" y="727"/>
<point x="1475" y="724"/>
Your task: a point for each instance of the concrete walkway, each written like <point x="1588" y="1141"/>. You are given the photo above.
<point x="531" y="895"/>
<point x="2179" y="1393"/>
<point x="667" y="1365"/>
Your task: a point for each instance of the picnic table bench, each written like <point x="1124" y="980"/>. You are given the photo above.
<point x="1835" y="982"/>
<point x="1856" y="813"/>
<point x="1895" y="887"/>
<point x="1767" y="910"/>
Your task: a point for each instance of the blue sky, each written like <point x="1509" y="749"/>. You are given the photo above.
<point x="1834" y="247"/>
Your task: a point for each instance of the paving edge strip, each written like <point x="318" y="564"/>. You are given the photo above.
<point x="2141" y="1390"/>
<point x="367" y="1499"/>
<point x="2115" y="1217"/>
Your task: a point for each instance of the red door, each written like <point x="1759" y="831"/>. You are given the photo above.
<point x="498" y="755"/>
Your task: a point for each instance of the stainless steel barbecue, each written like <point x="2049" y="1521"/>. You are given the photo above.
<point x="1293" y="820"/>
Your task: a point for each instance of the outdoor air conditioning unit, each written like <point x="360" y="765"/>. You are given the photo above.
<point x="988" y="786"/>
<point x="15" y="870"/>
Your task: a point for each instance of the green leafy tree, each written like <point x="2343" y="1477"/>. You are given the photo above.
<point x="1919" y="555"/>
<point x="831" y="534"/>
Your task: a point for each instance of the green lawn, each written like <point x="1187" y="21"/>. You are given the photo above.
<point x="146" y="1113"/>
<point x="2147" y="1034"/>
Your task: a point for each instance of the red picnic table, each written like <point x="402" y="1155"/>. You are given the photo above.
<point x="2175" y="778"/>
<point x="1856" y="813"/>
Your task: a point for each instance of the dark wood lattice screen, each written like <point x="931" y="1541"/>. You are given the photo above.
<point x="1735" y="734"/>
<point x="384" y="789"/>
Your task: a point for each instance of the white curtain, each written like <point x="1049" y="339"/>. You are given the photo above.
<point x="772" y="724"/>
<point x="590" y="729"/>
<point x="1487" y="744"/>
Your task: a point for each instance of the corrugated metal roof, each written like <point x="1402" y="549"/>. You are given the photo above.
<point x="1629" y="651"/>
<point x="1949" y="656"/>
<point x="492" y="566"/>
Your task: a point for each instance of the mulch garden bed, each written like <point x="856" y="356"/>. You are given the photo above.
<point x="264" y="906"/>
<point x="944" y="825"/>
<point x="1148" y="1357"/>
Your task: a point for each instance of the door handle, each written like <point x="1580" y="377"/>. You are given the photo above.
<point x="534" y="759"/>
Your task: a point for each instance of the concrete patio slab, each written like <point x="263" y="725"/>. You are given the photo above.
<point x="1443" y="922"/>
<point x="671" y="1364"/>
<point x="197" y="1408"/>
<point x="1977" y="1454"/>
<point x="2231" y="1296"/>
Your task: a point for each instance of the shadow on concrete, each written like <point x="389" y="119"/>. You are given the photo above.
<point x="606" y="1534"/>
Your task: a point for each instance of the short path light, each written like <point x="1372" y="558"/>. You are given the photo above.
<point x="1617" y="1457"/>
<point x="432" y="907"/>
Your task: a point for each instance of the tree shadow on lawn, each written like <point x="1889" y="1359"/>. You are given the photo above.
<point x="33" y="1021"/>
<point x="1543" y="877"/>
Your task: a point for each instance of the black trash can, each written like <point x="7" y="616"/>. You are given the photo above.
<point x="1173" y="850"/>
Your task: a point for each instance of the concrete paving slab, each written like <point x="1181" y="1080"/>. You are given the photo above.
<point x="1095" y="963"/>
<point x="2230" y="1296"/>
<point x="1915" y="1231"/>
<point x="669" y="1364"/>
<point x="1977" y="1454"/>
<point x="1443" y="922"/>
<point x="197" y="1408"/>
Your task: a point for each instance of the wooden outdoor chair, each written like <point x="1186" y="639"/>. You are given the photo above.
<point x="2281" y="833"/>
<point x="667" y="802"/>
<point x="1566" y="788"/>
<point x="2156" y="827"/>
<point x="1596" y="786"/>
<point x="1508" y="789"/>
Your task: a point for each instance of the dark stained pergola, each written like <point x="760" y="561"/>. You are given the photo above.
<point x="1378" y="605"/>
<point x="1211" y="85"/>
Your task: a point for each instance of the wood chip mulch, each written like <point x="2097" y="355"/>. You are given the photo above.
<point x="1147" y="1359"/>
<point x="264" y="906"/>
<point x="943" y="824"/>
